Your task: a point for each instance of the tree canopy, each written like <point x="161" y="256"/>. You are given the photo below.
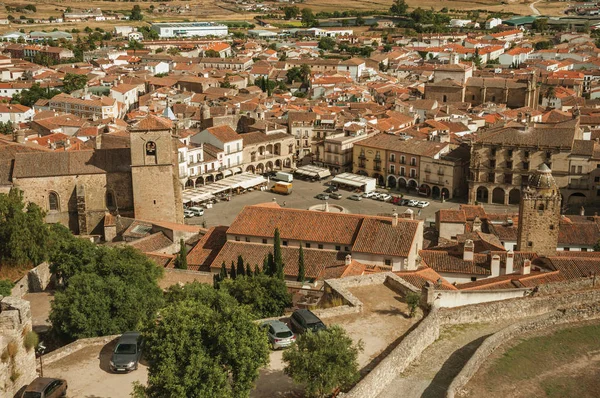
<point x="266" y="296"/>
<point x="327" y="43"/>
<point x="31" y="96"/>
<point x="291" y="12"/>
<point x="108" y="290"/>
<point x="204" y="344"/>
<point x="298" y="74"/>
<point x="308" y="18"/>
<point x="399" y="8"/>
<point x="136" y="13"/>
<point x="73" y="82"/>
<point x="323" y="361"/>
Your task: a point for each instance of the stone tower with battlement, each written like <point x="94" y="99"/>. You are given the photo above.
<point x="154" y="171"/>
<point x="539" y="214"/>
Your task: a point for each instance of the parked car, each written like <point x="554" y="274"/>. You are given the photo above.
<point x="303" y="320"/>
<point x="279" y="334"/>
<point x="422" y="204"/>
<point x="404" y="202"/>
<point x="45" y="387"/>
<point x="198" y="211"/>
<point x="127" y="353"/>
<point x="188" y="213"/>
<point x="322" y="196"/>
<point x="332" y="188"/>
<point x="385" y="197"/>
<point x="335" y="195"/>
<point x="412" y="203"/>
<point x="375" y="195"/>
<point x="355" y="196"/>
<point x="368" y="194"/>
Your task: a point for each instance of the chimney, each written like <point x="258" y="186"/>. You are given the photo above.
<point x="408" y="213"/>
<point x="495" y="265"/>
<point x="99" y="141"/>
<point x="477" y="224"/>
<point x="468" y="251"/>
<point x="510" y="262"/>
<point x="395" y="219"/>
<point x="526" y="269"/>
<point x="20" y="136"/>
<point x="348" y="259"/>
<point x="528" y="118"/>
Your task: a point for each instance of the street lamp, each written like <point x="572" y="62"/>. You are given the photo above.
<point x="41" y="348"/>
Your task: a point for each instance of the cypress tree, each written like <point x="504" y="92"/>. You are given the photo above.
<point x="240" y="266"/>
<point x="248" y="270"/>
<point x="270" y="265"/>
<point x="301" y="270"/>
<point x="233" y="272"/>
<point x="181" y="259"/>
<point x="277" y="256"/>
<point x="223" y="273"/>
<point x="256" y="269"/>
<point x="265" y="267"/>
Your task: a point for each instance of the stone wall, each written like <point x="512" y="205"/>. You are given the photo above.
<point x="399" y="359"/>
<point x="17" y="364"/>
<point x="457" y="298"/>
<point x="567" y="286"/>
<point x="587" y="312"/>
<point x="76" y="346"/>
<point x="36" y="280"/>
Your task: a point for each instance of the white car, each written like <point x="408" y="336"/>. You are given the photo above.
<point x="355" y="196"/>
<point x="384" y="197"/>
<point x="422" y="204"/>
<point x="197" y="211"/>
<point x="413" y="203"/>
<point x="368" y="194"/>
<point x="188" y="213"/>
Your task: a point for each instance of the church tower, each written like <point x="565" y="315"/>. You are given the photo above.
<point x="154" y="171"/>
<point x="539" y="214"/>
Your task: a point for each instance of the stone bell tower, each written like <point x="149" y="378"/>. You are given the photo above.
<point x="539" y="214"/>
<point x="155" y="171"/>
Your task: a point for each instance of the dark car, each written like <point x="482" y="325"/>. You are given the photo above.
<point x="332" y="188"/>
<point x="322" y="196"/>
<point x="127" y="353"/>
<point x="303" y="320"/>
<point x="335" y="195"/>
<point x="45" y="387"/>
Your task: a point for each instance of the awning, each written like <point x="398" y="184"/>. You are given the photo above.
<point x="236" y="170"/>
<point x="227" y="173"/>
<point x="345" y="181"/>
<point x="253" y="182"/>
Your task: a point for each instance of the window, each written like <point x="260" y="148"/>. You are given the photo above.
<point x="444" y="98"/>
<point x="493" y="151"/>
<point x="110" y="199"/>
<point x="285" y="242"/>
<point x="572" y="169"/>
<point x="529" y="244"/>
<point x="402" y="159"/>
<point x="53" y="203"/>
<point x="567" y="249"/>
<point x="392" y="169"/>
<point x="526" y="154"/>
<point x="413" y="161"/>
<point x="388" y="261"/>
<point x="150" y="148"/>
<point x="551" y="227"/>
<point x="338" y="248"/>
<point x="509" y="165"/>
<point x="541" y="207"/>
<point x="320" y="246"/>
<point x="307" y="245"/>
<point x="392" y="157"/>
<point x="584" y="249"/>
<point x="526" y="165"/>
<point x="510" y="152"/>
<point x="264" y="241"/>
<point x="596" y="179"/>
<point x="346" y="248"/>
<point x="492" y="163"/>
<point x="473" y="278"/>
<point x="579" y="169"/>
<point x="237" y="238"/>
<point x="247" y="239"/>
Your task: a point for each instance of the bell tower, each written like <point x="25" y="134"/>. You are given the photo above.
<point x="155" y="171"/>
<point x="539" y="214"/>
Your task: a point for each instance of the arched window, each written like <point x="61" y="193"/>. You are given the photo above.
<point x="53" y="203"/>
<point x="150" y="148"/>
<point x="541" y="207"/>
<point x="445" y="98"/>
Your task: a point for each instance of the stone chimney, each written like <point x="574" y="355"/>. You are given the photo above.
<point x="348" y="259"/>
<point x="409" y="214"/>
<point x="395" y="219"/>
<point x="526" y="269"/>
<point x="20" y="136"/>
<point x="495" y="265"/>
<point x="469" y="250"/>
<point x="510" y="262"/>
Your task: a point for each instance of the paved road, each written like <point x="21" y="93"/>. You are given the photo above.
<point x="303" y="197"/>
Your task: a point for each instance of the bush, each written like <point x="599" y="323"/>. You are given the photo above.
<point x="12" y="349"/>
<point x="6" y="287"/>
<point x="4" y="357"/>
<point x="14" y="375"/>
<point x="413" y="299"/>
<point x="31" y="340"/>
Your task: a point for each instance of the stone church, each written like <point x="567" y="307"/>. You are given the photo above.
<point x="78" y="188"/>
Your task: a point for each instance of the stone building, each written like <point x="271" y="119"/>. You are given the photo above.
<point x="515" y="93"/>
<point x="503" y="159"/>
<point x="539" y="214"/>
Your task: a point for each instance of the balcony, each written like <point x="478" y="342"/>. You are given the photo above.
<point x="377" y="168"/>
<point x="362" y="165"/>
<point x="362" y="156"/>
<point x="579" y="185"/>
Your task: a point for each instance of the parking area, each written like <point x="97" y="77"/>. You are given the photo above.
<point x="303" y="197"/>
<point x="87" y="372"/>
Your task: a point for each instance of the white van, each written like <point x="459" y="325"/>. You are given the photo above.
<point x="285" y="177"/>
<point x="198" y="211"/>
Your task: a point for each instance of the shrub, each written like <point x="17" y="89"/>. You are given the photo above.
<point x="12" y="349"/>
<point x="6" y="287"/>
<point x="14" y="375"/>
<point x="4" y="357"/>
<point x="413" y="299"/>
<point x="31" y="340"/>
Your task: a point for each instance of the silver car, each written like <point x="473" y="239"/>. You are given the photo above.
<point x="279" y="334"/>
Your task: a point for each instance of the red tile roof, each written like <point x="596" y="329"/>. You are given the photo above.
<point x="152" y="122"/>
<point x="224" y="133"/>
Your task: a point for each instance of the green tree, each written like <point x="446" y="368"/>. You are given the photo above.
<point x="6" y="286"/>
<point x="308" y="18"/>
<point x="204" y="344"/>
<point x="540" y="24"/>
<point x="232" y="271"/>
<point x="7" y="128"/>
<point x="118" y="291"/>
<point x="249" y="270"/>
<point x="31" y="96"/>
<point x="136" y="13"/>
<point x="134" y="45"/>
<point x="181" y="259"/>
<point x="277" y="255"/>
<point x="266" y="296"/>
<point x="543" y="45"/>
<point x="359" y="21"/>
<point x="73" y="82"/>
<point x="173" y="51"/>
<point x="413" y="300"/>
<point x="327" y="43"/>
<point x="291" y="12"/>
<point x="212" y="53"/>
<point x="399" y="8"/>
<point x="24" y="237"/>
<point x="72" y="255"/>
<point x="241" y="270"/>
<point x="301" y="269"/>
<point x="323" y="361"/>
